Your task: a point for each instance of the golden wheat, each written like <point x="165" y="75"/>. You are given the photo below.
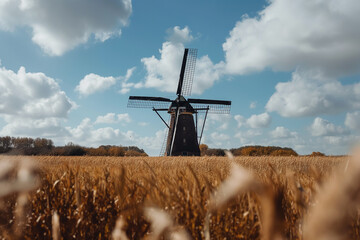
<point x="119" y="198"/>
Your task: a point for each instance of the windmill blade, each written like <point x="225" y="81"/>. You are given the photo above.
<point x="148" y="102"/>
<point x="214" y="106"/>
<point x="208" y="101"/>
<point x="187" y="72"/>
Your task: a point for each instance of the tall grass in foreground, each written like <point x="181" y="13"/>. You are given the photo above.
<point x="179" y="198"/>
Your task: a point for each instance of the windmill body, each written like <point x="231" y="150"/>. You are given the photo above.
<point x="182" y="138"/>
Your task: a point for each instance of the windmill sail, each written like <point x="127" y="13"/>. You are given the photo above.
<point x="187" y="72"/>
<point x="148" y="102"/>
<point x="213" y="106"/>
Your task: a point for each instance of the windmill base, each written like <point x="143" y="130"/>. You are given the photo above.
<point x="185" y="142"/>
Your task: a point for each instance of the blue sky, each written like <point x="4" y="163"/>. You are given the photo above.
<point x="290" y="68"/>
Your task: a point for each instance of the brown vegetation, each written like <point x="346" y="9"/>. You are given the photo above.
<point x="191" y="198"/>
<point x="249" y="151"/>
<point x="263" y="151"/>
<point x="43" y="146"/>
<point x="318" y="154"/>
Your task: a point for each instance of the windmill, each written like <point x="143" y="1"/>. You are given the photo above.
<point x="182" y="138"/>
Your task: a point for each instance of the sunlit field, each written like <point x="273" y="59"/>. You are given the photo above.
<point x="179" y="197"/>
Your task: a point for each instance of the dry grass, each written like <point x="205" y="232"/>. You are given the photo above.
<point x="169" y="197"/>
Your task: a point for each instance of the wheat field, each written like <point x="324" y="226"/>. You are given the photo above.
<point x="179" y="197"/>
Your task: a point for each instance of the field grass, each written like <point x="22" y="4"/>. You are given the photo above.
<point x="175" y="197"/>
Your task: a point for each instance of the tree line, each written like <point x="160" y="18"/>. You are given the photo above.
<point x="43" y="146"/>
<point x="248" y="151"/>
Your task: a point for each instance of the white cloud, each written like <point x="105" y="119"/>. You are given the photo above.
<point x="163" y="73"/>
<point x="322" y="127"/>
<point x="86" y="134"/>
<point x="318" y="40"/>
<point x="249" y="137"/>
<point x="254" y="121"/>
<point x="218" y="121"/>
<point x="92" y="83"/>
<point x="346" y="141"/>
<point x="352" y="120"/>
<point x="321" y="35"/>
<point x="82" y="131"/>
<point x="218" y="140"/>
<point x="124" y="117"/>
<point x="125" y="85"/>
<point x="29" y="127"/>
<point x="32" y="95"/>
<point x="311" y="94"/>
<point x="282" y="132"/>
<point x="334" y="140"/>
<point x="59" y="26"/>
<point x="108" y="118"/>
<point x="252" y="105"/>
<point x="259" y="121"/>
<point x="216" y="136"/>
<point x="251" y="133"/>
<point x="178" y="35"/>
<point x="113" y="118"/>
<point x="32" y="105"/>
<point x="240" y="120"/>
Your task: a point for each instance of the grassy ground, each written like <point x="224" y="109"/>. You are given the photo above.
<point x="197" y="197"/>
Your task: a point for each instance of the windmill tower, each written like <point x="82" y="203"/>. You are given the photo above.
<point x="183" y="138"/>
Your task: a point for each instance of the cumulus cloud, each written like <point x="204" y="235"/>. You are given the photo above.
<point x="249" y="137"/>
<point x="32" y="104"/>
<point x="87" y="134"/>
<point x="219" y="136"/>
<point x="240" y="120"/>
<point x="178" y="35"/>
<point x="252" y="105"/>
<point x="113" y="118"/>
<point x="318" y="40"/>
<point x="93" y="83"/>
<point x="59" y="26"/>
<point x="309" y="94"/>
<point x="47" y="127"/>
<point x="352" y="120"/>
<point x="322" y="127"/>
<point x="125" y="85"/>
<point x="321" y="35"/>
<point x="108" y="118"/>
<point x="218" y="121"/>
<point x="32" y="95"/>
<point x="282" y="132"/>
<point x="259" y="121"/>
<point x="163" y="73"/>
<point x="254" y="121"/>
<point x="124" y="117"/>
<point x="218" y="140"/>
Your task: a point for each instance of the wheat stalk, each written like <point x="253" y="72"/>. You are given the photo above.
<point x="118" y="232"/>
<point x="331" y="217"/>
<point x="55" y="220"/>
